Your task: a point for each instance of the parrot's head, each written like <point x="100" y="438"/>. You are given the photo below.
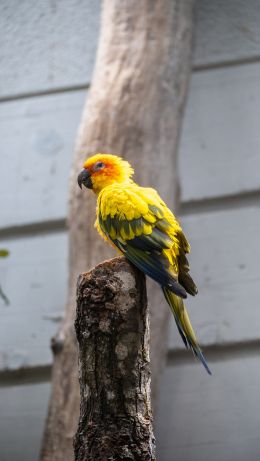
<point x="102" y="170"/>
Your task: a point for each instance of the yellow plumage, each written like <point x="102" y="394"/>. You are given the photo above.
<point x="138" y="223"/>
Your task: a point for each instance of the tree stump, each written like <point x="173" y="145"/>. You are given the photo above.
<point x="112" y="329"/>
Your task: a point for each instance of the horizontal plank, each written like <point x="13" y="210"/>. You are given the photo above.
<point x="34" y="279"/>
<point x="38" y="136"/>
<point x="227" y="31"/>
<point x="220" y="136"/>
<point x="45" y="45"/>
<point x="220" y="145"/>
<point x="214" y="418"/>
<point x="23" y="410"/>
<point x="225" y="265"/>
<point x="65" y="37"/>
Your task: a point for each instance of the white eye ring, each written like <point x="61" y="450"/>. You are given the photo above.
<point x="99" y="166"/>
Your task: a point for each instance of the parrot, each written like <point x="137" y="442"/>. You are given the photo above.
<point x="137" y="222"/>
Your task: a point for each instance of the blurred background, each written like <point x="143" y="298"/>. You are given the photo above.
<point x="46" y="57"/>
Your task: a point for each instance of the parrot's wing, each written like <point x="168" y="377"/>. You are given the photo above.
<point x="171" y="226"/>
<point x="184" y="277"/>
<point x="139" y="229"/>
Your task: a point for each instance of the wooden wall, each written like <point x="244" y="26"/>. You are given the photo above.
<point x="217" y="418"/>
<point x="46" y="59"/>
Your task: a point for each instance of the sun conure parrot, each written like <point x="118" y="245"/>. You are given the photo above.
<point x="140" y="225"/>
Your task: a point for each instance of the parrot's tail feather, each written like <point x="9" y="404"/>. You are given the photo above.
<point x="184" y="326"/>
<point x="201" y="357"/>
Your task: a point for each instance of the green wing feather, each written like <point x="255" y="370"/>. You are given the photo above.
<point x="143" y="241"/>
<point x="155" y="243"/>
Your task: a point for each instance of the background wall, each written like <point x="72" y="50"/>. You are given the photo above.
<point x="46" y="59"/>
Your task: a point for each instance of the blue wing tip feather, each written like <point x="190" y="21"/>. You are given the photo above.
<point x="201" y="357"/>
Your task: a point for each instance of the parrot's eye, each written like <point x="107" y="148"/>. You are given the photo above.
<point x="99" y="166"/>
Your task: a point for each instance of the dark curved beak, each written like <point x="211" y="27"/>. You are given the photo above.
<point x="84" y="178"/>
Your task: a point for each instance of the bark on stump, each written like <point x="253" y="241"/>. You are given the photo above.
<point x="112" y="329"/>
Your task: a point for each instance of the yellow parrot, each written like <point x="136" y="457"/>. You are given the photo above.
<point x="138" y="223"/>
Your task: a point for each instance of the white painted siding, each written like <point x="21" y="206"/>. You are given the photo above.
<point x="225" y="264"/>
<point x="46" y="60"/>
<point x="227" y="31"/>
<point x="22" y="422"/>
<point x="47" y="45"/>
<point x="214" y="419"/>
<point x="38" y="136"/>
<point x="220" y="145"/>
<point x="59" y="40"/>
<point x="36" y="303"/>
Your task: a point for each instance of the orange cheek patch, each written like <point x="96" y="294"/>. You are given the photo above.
<point x="104" y="177"/>
<point x="108" y="172"/>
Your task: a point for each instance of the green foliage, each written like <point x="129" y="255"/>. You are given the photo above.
<point x="4" y="297"/>
<point x="3" y="254"/>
